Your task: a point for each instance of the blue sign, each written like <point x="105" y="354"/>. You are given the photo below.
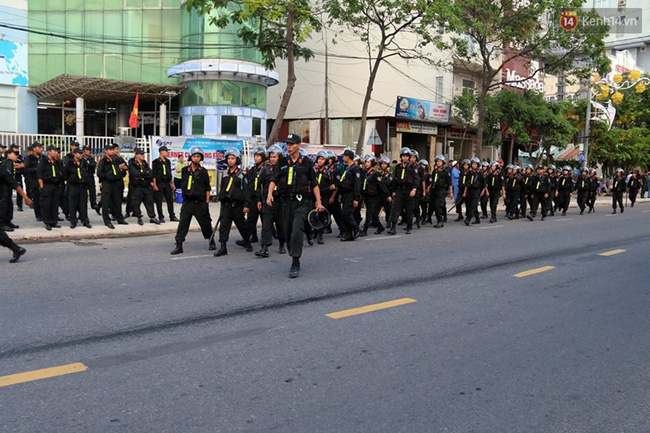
<point x="424" y="111"/>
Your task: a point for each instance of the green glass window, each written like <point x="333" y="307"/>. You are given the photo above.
<point x="198" y="125"/>
<point x="229" y="93"/>
<point x="228" y="125"/>
<point x="257" y="126"/>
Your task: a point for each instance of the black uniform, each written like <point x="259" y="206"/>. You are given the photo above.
<point x="564" y="190"/>
<point x="463" y="180"/>
<point x="163" y="173"/>
<point x="325" y="181"/>
<point x="6" y="191"/>
<point x="195" y="183"/>
<point x="350" y="190"/>
<point x="594" y="186"/>
<point x="526" y="182"/>
<point x="387" y="179"/>
<point x="91" y="168"/>
<point x="31" y="179"/>
<point x="485" y="200"/>
<point x="373" y="190"/>
<point x="18" y="175"/>
<point x="618" y="188"/>
<point x="539" y="188"/>
<point x="271" y="215"/>
<point x="252" y="178"/>
<point x="295" y="181"/>
<point x="140" y="179"/>
<point x="110" y="176"/>
<point x="633" y="187"/>
<point x="234" y="197"/>
<point x="494" y="185"/>
<point x="582" y="186"/>
<point x="7" y="180"/>
<point x="406" y="179"/>
<point x="77" y="178"/>
<point x="51" y="173"/>
<point x="440" y="181"/>
<point x="552" y="180"/>
<point x="475" y="185"/>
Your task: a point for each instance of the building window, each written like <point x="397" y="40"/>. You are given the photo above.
<point x="439" y="83"/>
<point x="228" y="125"/>
<point x="257" y="126"/>
<point x="468" y="87"/>
<point x="198" y="124"/>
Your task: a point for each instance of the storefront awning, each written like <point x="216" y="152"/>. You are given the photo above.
<point x="101" y="89"/>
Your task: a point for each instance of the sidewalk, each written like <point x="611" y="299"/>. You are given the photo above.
<point x="33" y="231"/>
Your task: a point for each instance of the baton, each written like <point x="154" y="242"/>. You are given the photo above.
<point x="216" y="227"/>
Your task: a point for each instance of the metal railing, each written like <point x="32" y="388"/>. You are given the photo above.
<point x="63" y="141"/>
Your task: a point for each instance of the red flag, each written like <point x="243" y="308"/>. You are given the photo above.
<point x="133" y="120"/>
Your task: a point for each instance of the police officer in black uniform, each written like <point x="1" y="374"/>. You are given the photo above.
<point x="618" y="188"/>
<point x="31" y="166"/>
<point x="252" y="177"/>
<point x="440" y="187"/>
<point x="475" y="186"/>
<point x="350" y="191"/>
<point x="76" y="176"/>
<point x="594" y="189"/>
<point x="463" y="180"/>
<point x="485" y="199"/>
<point x="526" y="193"/>
<point x="405" y="184"/>
<point x="163" y="184"/>
<point x="552" y="179"/>
<point x="582" y="186"/>
<point x="50" y="180"/>
<point x="373" y="189"/>
<point x="195" y="184"/>
<point x="564" y="190"/>
<point x="633" y="187"/>
<point x="141" y="182"/>
<point x="8" y="181"/>
<point x="387" y="180"/>
<point x="539" y="190"/>
<point x="19" y="172"/>
<point x="91" y="168"/>
<point x="326" y="187"/>
<point x="271" y="215"/>
<point x="235" y="203"/>
<point x="494" y="189"/>
<point x="109" y="172"/>
<point x="296" y="181"/>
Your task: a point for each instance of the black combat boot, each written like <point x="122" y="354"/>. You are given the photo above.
<point x="254" y="238"/>
<point x="295" y="268"/>
<point x="380" y="229"/>
<point x="363" y="232"/>
<point x="408" y="229"/>
<point x="211" y="245"/>
<point x="459" y="218"/>
<point x="392" y="229"/>
<point x="263" y="252"/>
<point x="493" y="219"/>
<point x="319" y="238"/>
<point x="18" y="252"/>
<point x="439" y="224"/>
<point x="282" y="249"/>
<point x="178" y="249"/>
<point x="222" y="251"/>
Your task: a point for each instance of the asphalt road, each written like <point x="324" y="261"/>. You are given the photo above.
<point x="203" y="344"/>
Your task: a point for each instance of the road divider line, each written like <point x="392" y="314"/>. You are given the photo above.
<point x="44" y="373"/>
<point x="534" y="271"/>
<point x="564" y="219"/>
<point x="383" y="238"/>
<point x="370" y="308"/>
<point x="489" y="227"/>
<point x="192" y="257"/>
<point x="611" y="253"/>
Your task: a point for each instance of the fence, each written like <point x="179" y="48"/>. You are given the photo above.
<point x="63" y="141"/>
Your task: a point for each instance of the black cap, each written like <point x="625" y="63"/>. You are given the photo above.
<point x="293" y="139"/>
<point x="115" y="146"/>
<point x="139" y="151"/>
<point x="14" y="146"/>
<point x="52" y="147"/>
<point x="86" y="147"/>
<point x="77" y="150"/>
<point x="3" y="146"/>
<point x="108" y="146"/>
<point x="162" y="149"/>
<point x="74" y="143"/>
<point x="349" y="153"/>
<point x="30" y="147"/>
<point x="37" y="144"/>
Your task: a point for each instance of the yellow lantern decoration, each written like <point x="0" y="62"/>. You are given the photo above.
<point x="634" y="75"/>
<point x="604" y="91"/>
<point x="640" y="88"/>
<point x="617" y="97"/>
<point x="618" y="78"/>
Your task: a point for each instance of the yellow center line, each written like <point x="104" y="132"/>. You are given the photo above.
<point x="45" y="373"/>
<point x="370" y="308"/>
<point x="611" y="253"/>
<point x="534" y="271"/>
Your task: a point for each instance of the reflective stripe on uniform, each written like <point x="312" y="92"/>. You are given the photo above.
<point x="189" y="182"/>
<point x="53" y="171"/>
<point x="79" y="172"/>
<point x="229" y="184"/>
<point x="290" y="178"/>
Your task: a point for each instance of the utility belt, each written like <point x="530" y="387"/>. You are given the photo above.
<point x="299" y="197"/>
<point x="193" y="199"/>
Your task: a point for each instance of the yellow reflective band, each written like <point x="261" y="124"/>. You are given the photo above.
<point x="79" y="172"/>
<point x="229" y="184"/>
<point x="256" y="179"/>
<point x="403" y="171"/>
<point x="343" y="177"/>
<point x="189" y="182"/>
<point x="53" y="171"/>
<point x="472" y="179"/>
<point x="583" y="183"/>
<point x="320" y="177"/>
<point x="114" y="172"/>
<point x="493" y="181"/>
<point x="526" y="181"/>
<point x="275" y="188"/>
<point x="435" y="179"/>
<point x="365" y="182"/>
<point x="164" y="169"/>
<point x="537" y="184"/>
<point x="290" y="180"/>
<point x="563" y="182"/>
<point x="464" y="178"/>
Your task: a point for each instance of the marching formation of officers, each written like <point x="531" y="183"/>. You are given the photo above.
<point x="290" y="193"/>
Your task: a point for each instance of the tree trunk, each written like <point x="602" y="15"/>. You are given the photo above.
<point x="366" y="102"/>
<point x="481" y="119"/>
<point x="511" y="153"/>
<point x="291" y="83"/>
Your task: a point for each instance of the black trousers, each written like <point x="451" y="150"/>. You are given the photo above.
<point x="592" y="199"/>
<point x="494" y="202"/>
<point x="78" y="203"/>
<point x="164" y="191"/>
<point x="563" y="200"/>
<point x="388" y="205"/>
<point x="373" y="206"/>
<point x="536" y="200"/>
<point x="129" y="198"/>
<point x="5" y="240"/>
<point x="19" y="198"/>
<point x="402" y="202"/>
<point x="439" y="205"/>
<point x="484" y="204"/>
<point x="523" y="203"/>
<point x="142" y="194"/>
<point x="198" y="209"/>
<point x="294" y="216"/>
<point x="50" y="201"/>
<point x="350" y="223"/>
<point x="92" y="192"/>
<point x="473" y="198"/>
<point x="583" y="196"/>
<point x="272" y="217"/>
<point x="6" y="206"/>
<point x="460" y="200"/>
<point x="251" y="221"/>
<point x="63" y="200"/>
<point x="34" y="192"/>
<point x="633" y="193"/>
<point x="232" y="211"/>
<point x="617" y="197"/>
<point x="112" y="201"/>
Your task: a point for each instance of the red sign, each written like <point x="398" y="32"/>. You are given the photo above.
<point x="569" y="20"/>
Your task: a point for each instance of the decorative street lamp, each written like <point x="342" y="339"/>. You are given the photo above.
<point x="611" y="87"/>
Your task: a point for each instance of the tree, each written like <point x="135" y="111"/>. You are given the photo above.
<point x="276" y="28"/>
<point x="487" y="35"/>
<point x="388" y="28"/>
<point x="464" y="112"/>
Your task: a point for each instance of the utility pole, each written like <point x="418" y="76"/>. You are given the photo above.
<point x="327" y="105"/>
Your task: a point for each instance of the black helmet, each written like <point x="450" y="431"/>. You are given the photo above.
<point x="260" y="151"/>
<point x="318" y="220"/>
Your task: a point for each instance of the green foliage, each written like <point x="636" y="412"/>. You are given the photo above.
<point x="263" y="24"/>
